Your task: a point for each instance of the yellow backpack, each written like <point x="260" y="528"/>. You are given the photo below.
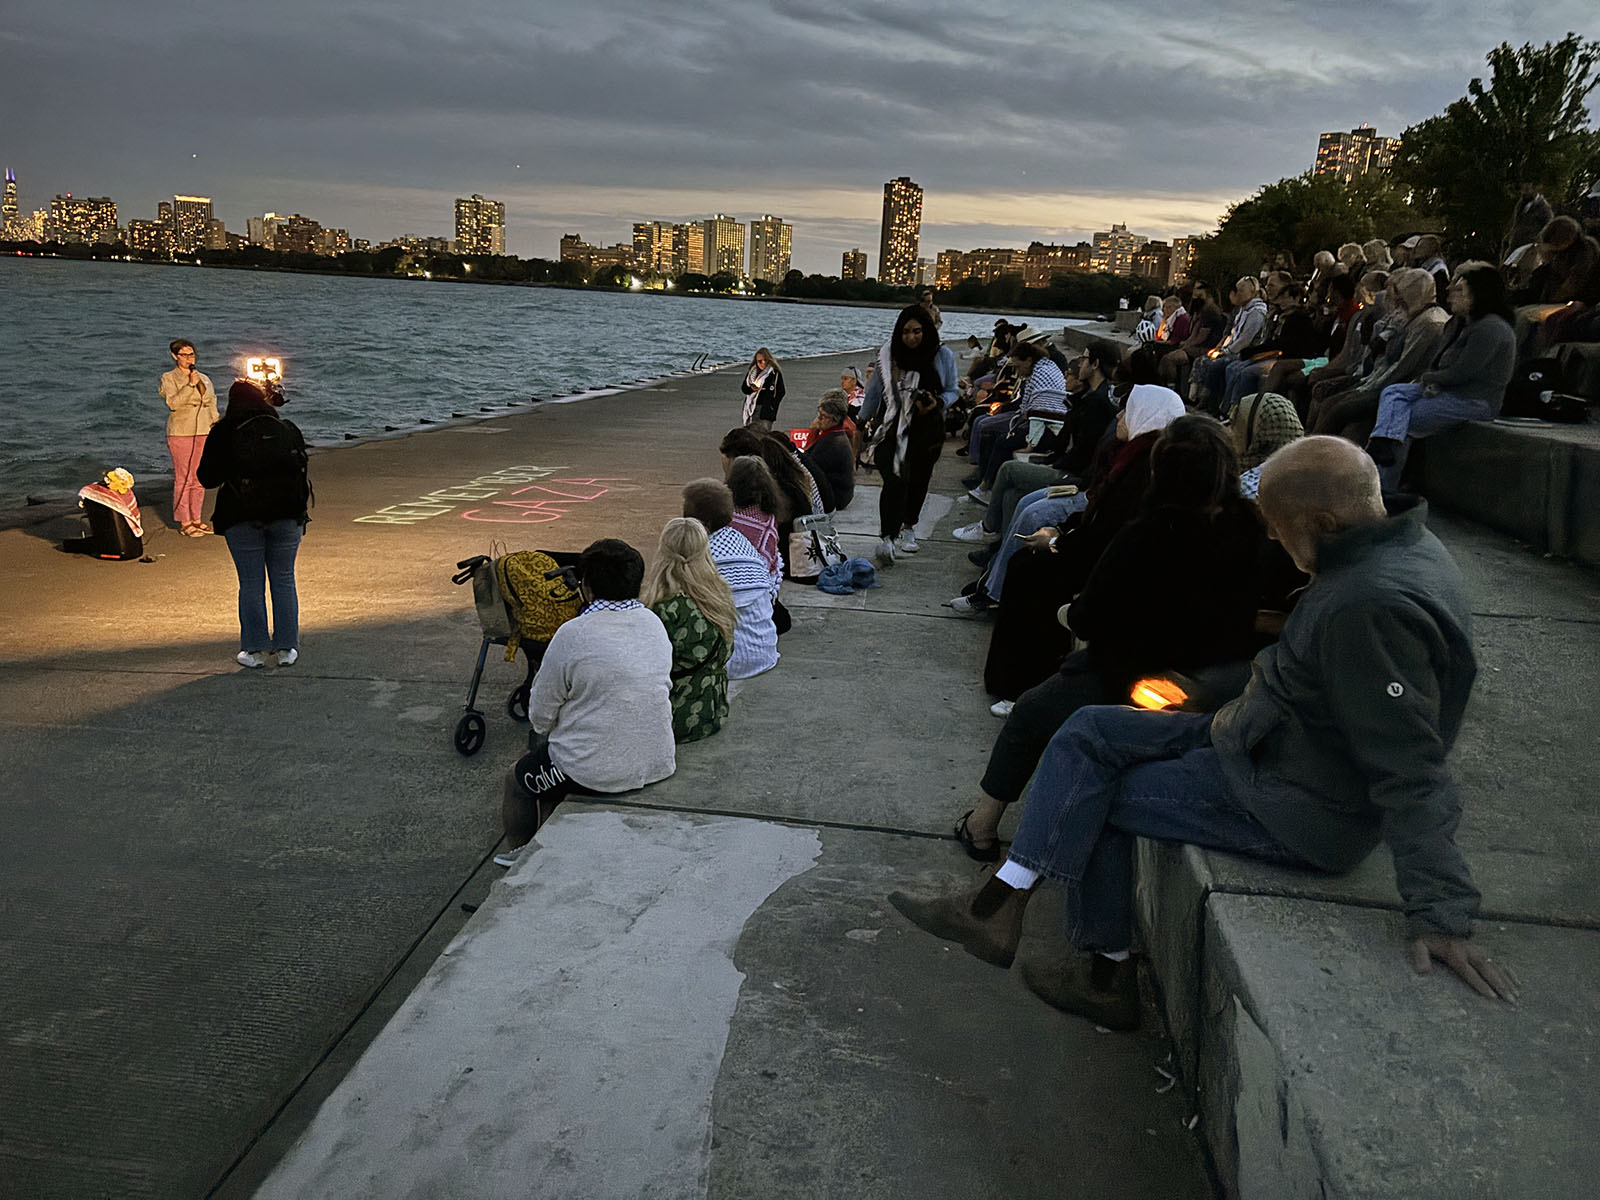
<point x="538" y="606"/>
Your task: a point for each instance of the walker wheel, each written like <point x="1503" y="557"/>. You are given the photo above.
<point x="517" y="704"/>
<point x="469" y="733"/>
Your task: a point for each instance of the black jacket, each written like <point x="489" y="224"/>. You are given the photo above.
<point x="285" y="497"/>
<point x="831" y="459"/>
<point x="768" y="399"/>
<point x="1174" y="590"/>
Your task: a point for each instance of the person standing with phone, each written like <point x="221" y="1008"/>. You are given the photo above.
<point x="191" y="412"/>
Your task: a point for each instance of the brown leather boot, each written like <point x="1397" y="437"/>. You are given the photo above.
<point x="1087" y="985"/>
<point x="991" y="936"/>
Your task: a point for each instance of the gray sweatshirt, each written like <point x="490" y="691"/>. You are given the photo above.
<point x="1475" y="361"/>
<point x="1339" y="740"/>
<point x="602" y="695"/>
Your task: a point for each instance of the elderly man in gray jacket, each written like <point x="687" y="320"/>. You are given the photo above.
<point x="1338" y="742"/>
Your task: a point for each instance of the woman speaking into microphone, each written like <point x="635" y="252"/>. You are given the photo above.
<point x="191" y="412"/>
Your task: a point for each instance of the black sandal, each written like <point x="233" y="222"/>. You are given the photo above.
<point x="983" y="854"/>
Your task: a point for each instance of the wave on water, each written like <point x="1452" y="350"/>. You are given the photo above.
<point x="362" y="356"/>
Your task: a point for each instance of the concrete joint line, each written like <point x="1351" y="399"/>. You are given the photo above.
<point x="1490" y="914"/>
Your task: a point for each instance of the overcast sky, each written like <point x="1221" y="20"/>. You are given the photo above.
<point x="1021" y="120"/>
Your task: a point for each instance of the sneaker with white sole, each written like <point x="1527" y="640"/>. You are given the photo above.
<point x="287" y="658"/>
<point x="1002" y="708"/>
<point x="973" y="533"/>
<point x="981" y="495"/>
<point x="246" y="658"/>
<point x="977" y="602"/>
<point x="885" y="553"/>
<point x="906" y="543"/>
<point x="510" y="856"/>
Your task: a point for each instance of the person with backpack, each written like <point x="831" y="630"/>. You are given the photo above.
<point x="257" y="460"/>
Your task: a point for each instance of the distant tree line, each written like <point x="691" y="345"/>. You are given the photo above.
<point x="1066" y="293"/>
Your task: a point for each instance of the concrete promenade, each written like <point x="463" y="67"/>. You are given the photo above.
<point x="219" y="885"/>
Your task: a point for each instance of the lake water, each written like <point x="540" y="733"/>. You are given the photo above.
<point x="84" y="344"/>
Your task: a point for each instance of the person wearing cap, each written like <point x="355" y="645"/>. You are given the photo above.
<point x="601" y="706"/>
<point x="832" y="454"/>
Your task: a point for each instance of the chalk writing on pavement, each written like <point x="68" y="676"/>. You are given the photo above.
<point x="547" y="501"/>
<point x="448" y="499"/>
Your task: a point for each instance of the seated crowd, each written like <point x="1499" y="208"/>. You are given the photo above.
<point x="653" y="658"/>
<point x="1211" y="516"/>
<point x="1154" y="519"/>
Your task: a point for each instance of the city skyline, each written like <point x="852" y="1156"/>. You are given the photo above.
<point x="376" y="120"/>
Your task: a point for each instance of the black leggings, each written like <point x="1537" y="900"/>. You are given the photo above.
<point x="533" y="789"/>
<point x="1039" y="713"/>
<point x="900" y="503"/>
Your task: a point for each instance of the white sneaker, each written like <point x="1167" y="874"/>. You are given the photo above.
<point x="973" y="533"/>
<point x="246" y="659"/>
<point x="906" y="543"/>
<point x="1002" y="708"/>
<point x="287" y="658"/>
<point x="981" y="495"/>
<point x="510" y="857"/>
<point x="885" y="553"/>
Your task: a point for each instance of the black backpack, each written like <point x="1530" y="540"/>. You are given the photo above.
<point x="1536" y="390"/>
<point x="269" y="465"/>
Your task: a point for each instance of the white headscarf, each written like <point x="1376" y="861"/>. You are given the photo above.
<point x="1150" y="408"/>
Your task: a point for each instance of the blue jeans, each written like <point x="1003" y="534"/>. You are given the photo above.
<point x="1112" y="774"/>
<point x="985" y="428"/>
<point x="1405" y="414"/>
<point x="1240" y="380"/>
<point x="1034" y="512"/>
<point x="266" y="550"/>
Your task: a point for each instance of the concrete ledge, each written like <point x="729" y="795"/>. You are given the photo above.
<point x="1538" y="482"/>
<point x="1324" y="1067"/>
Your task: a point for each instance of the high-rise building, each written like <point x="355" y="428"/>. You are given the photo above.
<point x="191" y="223"/>
<point x="854" y="265"/>
<point x="295" y="234"/>
<point x="480" y="226"/>
<point x="596" y="258"/>
<point x="724" y="246"/>
<point x="8" y="206"/>
<point x="1348" y="155"/>
<point x="1153" y="260"/>
<point x="1184" y="250"/>
<point x="771" y="244"/>
<point x="82" y="219"/>
<point x="1113" y="251"/>
<point x="902" y="231"/>
<point x="986" y="266"/>
<point x="655" y="247"/>
<point x="689" y="247"/>
<point x="152" y="237"/>
<point x="1043" y="261"/>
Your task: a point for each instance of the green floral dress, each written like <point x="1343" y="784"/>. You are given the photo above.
<point x="699" y="669"/>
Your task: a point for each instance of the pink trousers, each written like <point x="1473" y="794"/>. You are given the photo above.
<point x="188" y="497"/>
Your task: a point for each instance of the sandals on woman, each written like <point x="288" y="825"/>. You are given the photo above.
<point x="979" y="853"/>
<point x="196" y="529"/>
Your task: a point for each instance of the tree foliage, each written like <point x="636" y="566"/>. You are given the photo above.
<point x="1529" y="124"/>
<point x="1299" y="216"/>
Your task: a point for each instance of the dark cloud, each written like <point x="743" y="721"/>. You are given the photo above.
<point x="375" y="117"/>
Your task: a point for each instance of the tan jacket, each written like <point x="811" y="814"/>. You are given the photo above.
<point x="193" y="410"/>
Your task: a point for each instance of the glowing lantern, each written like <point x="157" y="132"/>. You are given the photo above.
<point x="1156" y="694"/>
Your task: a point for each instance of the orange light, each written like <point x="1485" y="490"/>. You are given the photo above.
<point x="995" y="407"/>
<point x="1157" y="694"/>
